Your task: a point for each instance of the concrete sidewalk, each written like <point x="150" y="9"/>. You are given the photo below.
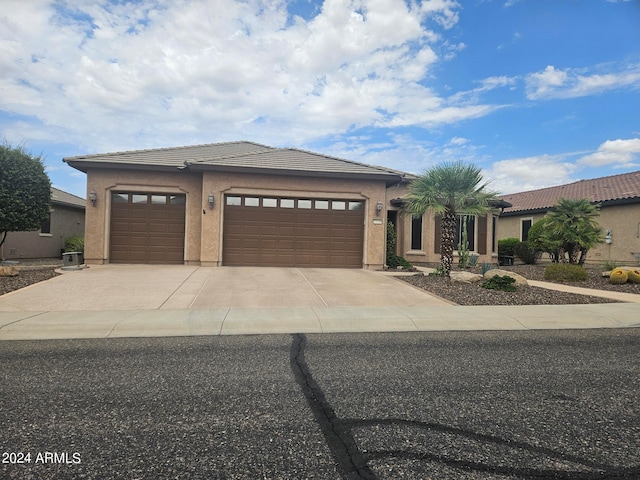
<point x="248" y="321"/>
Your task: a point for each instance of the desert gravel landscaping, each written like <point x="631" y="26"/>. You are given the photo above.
<point x="474" y="294"/>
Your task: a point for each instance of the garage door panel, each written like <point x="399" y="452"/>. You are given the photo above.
<point x="147" y="232"/>
<point x="299" y="236"/>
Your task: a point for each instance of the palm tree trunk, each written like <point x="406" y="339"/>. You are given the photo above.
<point x="448" y="229"/>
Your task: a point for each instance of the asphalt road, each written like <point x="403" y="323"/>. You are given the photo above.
<point x="475" y="405"/>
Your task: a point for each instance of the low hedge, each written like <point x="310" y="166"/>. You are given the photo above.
<point x="565" y="272"/>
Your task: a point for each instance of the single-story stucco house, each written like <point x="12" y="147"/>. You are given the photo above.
<point x="66" y="220"/>
<point x="619" y="200"/>
<point x="242" y="203"/>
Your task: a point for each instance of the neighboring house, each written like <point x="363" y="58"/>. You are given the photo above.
<point x="66" y="219"/>
<point x="242" y="203"/>
<point x="618" y="197"/>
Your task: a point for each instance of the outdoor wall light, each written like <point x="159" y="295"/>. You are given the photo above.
<point x="93" y="197"/>
<point x="378" y="208"/>
<point x="211" y="200"/>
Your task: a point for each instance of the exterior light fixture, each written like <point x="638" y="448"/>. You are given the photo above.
<point x="93" y="197"/>
<point x="378" y="208"/>
<point x="211" y="200"/>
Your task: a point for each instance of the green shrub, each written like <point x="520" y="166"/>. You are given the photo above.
<point x="504" y="283"/>
<point x="473" y="260"/>
<point x="527" y="254"/>
<point x="395" y="261"/>
<point x="507" y="246"/>
<point x="74" y="244"/>
<point x="565" y="272"/>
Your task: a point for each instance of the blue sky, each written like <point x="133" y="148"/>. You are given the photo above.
<point x="535" y="92"/>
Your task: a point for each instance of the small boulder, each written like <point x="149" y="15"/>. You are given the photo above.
<point x="520" y="280"/>
<point x="8" y="271"/>
<point x="464" y="277"/>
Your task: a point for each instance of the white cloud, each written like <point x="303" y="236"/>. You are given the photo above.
<point x="156" y="73"/>
<point x="619" y="153"/>
<point x="522" y="174"/>
<point x="570" y="83"/>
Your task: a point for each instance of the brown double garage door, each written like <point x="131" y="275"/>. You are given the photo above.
<point x="147" y="228"/>
<point x="292" y="232"/>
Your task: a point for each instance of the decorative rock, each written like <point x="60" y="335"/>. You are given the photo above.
<point x="520" y="280"/>
<point x="464" y="277"/>
<point x="8" y="271"/>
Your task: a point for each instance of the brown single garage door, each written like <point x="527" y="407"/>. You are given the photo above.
<point x="147" y="228"/>
<point x="292" y="232"/>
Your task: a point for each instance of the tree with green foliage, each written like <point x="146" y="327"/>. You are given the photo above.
<point x="540" y="239"/>
<point x="568" y="231"/>
<point x="25" y="191"/>
<point x="449" y="189"/>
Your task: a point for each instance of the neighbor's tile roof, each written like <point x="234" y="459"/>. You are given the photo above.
<point x="64" y="198"/>
<point x="234" y="156"/>
<point x="596" y="190"/>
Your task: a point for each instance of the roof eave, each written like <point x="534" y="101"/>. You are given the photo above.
<point x="387" y="178"/>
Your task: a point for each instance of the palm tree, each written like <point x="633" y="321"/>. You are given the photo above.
<point x="449" y="189"/>
<point x="573" y="224"/>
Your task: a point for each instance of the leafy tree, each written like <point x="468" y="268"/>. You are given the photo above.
<point x="449" y="189"/>
<point x="540" y="239"/>
<point x="568" y="231"/>
<point x="25" y="191"/>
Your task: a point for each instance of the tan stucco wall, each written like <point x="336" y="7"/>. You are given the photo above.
<point x="66" y="222"/>
<point x="203" y="237"/>
<point x="104" y="181"/>
<point x="622" y="220"/>
<point x="427" y="254"/>
<point x="221" y="184"/>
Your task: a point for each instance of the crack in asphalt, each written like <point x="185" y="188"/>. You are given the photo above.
<point x="350" y="461"/>
<point x="598" y="470"/>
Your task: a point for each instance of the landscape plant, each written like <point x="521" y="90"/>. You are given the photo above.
<point x="527" y="254"/>
<point x="618" y="276"/>
<point x="449" y="189"/>
<point x="25" y="191"/>
<point x="634" y="275"/>
<point x="463" y="247"/>
<point x="504" y="283"/>
<point x="74" y="244"/>
<point x="393" y="260"/>
<point x="564" y="272"/>
<point x="572" y="225"/>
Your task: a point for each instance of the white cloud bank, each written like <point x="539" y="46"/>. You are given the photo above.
<point x="619" y="153"/>
<point x="554" y="83"/>
<point x="157" y="72"/>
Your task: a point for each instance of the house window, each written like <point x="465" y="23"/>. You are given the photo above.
<point x="494" y="225"/>
<point x="471" y="230"/>
<point x="45" y="226"/>
<point x="416" y="233"/>
<point x="525" y="225"/>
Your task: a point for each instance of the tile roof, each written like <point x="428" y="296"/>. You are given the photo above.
<point x="168" y="157"/>
<point x="63" y="198"/>
<point x="237" y="156"/>
<point x="612" y="189"/>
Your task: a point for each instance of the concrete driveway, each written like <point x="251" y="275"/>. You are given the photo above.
<point x="144" y="287"/>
